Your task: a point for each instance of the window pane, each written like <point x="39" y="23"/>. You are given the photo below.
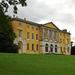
<point x="54" y="35"/>
<point x="45" y="33"/>
<point x="36" y="29"/>
<point x="27" y="35"/>
<point x="19" y="45"/>
<point x="20" y="25"/>
<point x="27" y="27"/>
<point x="37" y="47"/>
<point x="32" y="46"/>
<point x="27" y="46"/>
<point x="36" y="36"/>
<point x="32" y="35"/>
<point x="50" y="34"/>
<point x="20" y="33"/>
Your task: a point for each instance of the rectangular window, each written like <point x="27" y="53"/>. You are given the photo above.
<point x="20" y="25"/>
<point x="27" y="46"/>
<point x="63" y="41"/>
<point x="61" y="49"/>
<point x="54" y="35"/>
<point x="20" y="33"/>
<point x="36" y="29"/>
<point x="37" y="47"/>
<point x="32" y="28"/>
<point x="36" y="36"/>
<point x="27" y="35"/>
<point x="50" y="34"/>
<point x="60" y="40"/>
<point x="32" y="46"/>
<point x="67" y="35"/>
<point x="67" y="41"/>
<point x="32" y="35"/>
<point x="45" y="33"/>
<point x="27" y="27"/>
<point x="58" y="37"/>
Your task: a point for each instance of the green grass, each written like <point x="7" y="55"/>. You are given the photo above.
<point x="35" y="64"/>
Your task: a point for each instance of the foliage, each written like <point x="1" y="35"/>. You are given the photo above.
<point x="6" y="44"/>
<point x="73" y="50"/>
<point x="7" y="35"/>
<point x="4" y="4"/>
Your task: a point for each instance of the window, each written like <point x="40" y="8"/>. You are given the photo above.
<point x="67" y="41"/>
<point x="20" y="25"/>
<point x="36" y="29"/>
<point x="19" y="45"/>
<point x="32" y="35"/>
<point x="64" y="49"/>
<point x="45" y="33"/>
<point x="50" y="34"/>
<point x="36" y="36"/>
<point x="55" y="48"/>
<point x="63" y="41"/>
<point x="32" y="28"/>
<point x="27" y="27"/>
<point x="46" y="47"/>
<point x="27" y="46"/>
<point x="68" y="50"/>
<point x="27" y="35"/>
<point x="60" y="40"/>
<point x="37" y="47"/>
<point x="20" y="33"/>
<point x="32" y="46"/>
<point x="67" y="35"/>
<point x="60" y="49"/>
<point x="57" y="37"/>
<point x="51" y="48"/>
<point x="54" y="35"/>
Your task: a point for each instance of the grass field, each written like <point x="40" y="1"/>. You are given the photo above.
<point x="34" y="64"/>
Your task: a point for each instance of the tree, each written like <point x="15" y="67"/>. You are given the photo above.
<point x="7" y="35"/>
<point x="4" y="4"/>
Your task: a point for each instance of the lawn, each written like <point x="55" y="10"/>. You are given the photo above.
<point x="36" y="64"/>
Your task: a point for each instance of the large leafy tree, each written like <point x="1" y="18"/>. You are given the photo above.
<point x="7" y="35"/>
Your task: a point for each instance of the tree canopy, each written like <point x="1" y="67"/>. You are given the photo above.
<point x="4" y="5"/>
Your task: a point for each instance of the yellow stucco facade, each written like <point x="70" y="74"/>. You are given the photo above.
<point x="34" y="38"/>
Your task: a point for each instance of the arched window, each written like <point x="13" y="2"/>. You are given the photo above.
<point x="46" y="47"/>
<point x="51" y="48"/>
<point x="55" y="48"/>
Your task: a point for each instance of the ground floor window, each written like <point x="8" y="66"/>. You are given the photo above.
<point x="51" y="48"/>
<point x="46" y="47"/>
<point x="32" y="46"/>
<point x="68" y="49"/>
<point x="55" y="48"/>
<point x="37" y="47"/>
<point x="27" y="46"/>
<point x="19" y="45"/>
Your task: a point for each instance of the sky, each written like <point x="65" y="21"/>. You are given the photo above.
<point x="60" y="12"/>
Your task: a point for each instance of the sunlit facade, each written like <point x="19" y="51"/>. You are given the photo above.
<point x="33" y="38"/>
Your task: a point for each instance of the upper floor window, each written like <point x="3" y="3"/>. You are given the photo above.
<point x="20" y="33"/>
<point x="63" y="41"/>
<point x="50" y="34"/>
<point x="67" y="35"/>
<point x="67" y="41"/>
<point x="32" y="28"/>
<point x="45" y="33"/>
<point x="36" y="29"/>
<point x="32" y="35"/>
<point x="27" y="27"/>
<point x="36" y="36"/>
<point x="54" y="35"/>
<point x="20" y="25"/>
<point x="57" y="36"/>
<point x="27" y="35"/>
